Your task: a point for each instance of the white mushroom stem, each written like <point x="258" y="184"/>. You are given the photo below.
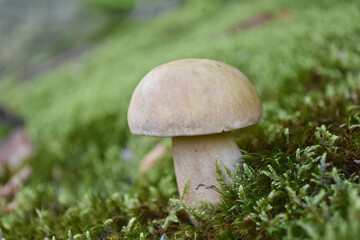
<point x="195" y="158"/>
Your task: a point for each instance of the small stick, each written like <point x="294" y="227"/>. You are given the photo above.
<point x="200" y="185"/>
<point x="216" y="190"/>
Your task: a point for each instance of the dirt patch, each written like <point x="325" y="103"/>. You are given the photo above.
<point x="259" y="20"/>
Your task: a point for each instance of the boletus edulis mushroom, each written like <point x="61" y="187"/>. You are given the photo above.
<point x="196" y="102"/>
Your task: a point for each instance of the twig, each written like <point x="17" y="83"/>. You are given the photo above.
<point x="216" y="190"/>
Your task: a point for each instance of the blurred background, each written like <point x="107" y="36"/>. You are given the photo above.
<point x="68" y="163"/>
<point x="39" y="35"/>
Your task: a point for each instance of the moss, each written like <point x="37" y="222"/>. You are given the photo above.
<point x="299" y="180"/>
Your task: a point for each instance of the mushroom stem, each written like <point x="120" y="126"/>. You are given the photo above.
<point x="194" y="159"/>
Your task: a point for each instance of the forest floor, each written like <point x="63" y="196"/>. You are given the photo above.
<point x="301" y="162"/>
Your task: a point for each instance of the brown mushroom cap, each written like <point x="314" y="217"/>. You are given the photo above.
<point x="193" y="97"/>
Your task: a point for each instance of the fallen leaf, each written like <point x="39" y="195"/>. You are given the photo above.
<point x="9" y="208"/>
<point x="259" y="20"/>
<point x="253" y="22"/>
<point x="15" y="149"/>
<point x="11" y="187"/>
<point x="155" y="155"/>
<point x="285" y="15"/>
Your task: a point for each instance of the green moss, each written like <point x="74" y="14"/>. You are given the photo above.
<point x="299" y="180"/>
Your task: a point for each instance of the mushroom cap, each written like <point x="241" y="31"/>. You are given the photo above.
<point x="193" y="97"/>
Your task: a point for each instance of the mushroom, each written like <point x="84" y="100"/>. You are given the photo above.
<point x="196" y="102"/>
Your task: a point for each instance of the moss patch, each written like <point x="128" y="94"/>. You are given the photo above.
<point x="301" y="173"/>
